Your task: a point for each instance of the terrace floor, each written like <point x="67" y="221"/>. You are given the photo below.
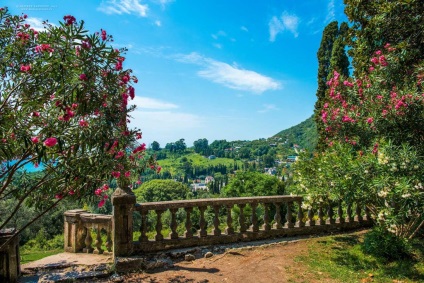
<point x="262" y="261"/>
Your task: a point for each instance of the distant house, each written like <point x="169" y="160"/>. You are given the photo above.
<point x="291" y="158"/>
<point x="272" y="144"/>
<point x="209" y="179"/>
<point x="211" y="157"/>
<point x="271" y="171"/>
<point x="199" y="186"/>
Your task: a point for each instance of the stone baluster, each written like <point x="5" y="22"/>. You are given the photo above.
<point x="289" y="216"/>
<point x="98" y="242"/>
<point x="109" y="243"/>
<point x="158" y="228"/>
<point x="255" y="222"/>
<point x="340" y="218"/>
<point x="188" y="225"/>
<point x="229" y="230"/>
<point x="300" y="222"/>
<point x="203" y="232"/>
<point x="216" y="230"/>
<point x="74" y="231"/>
<point x="88" y="241"/>
<point x="349" y="217"/>
<point x="320" y="215"/>
<point x="242" y="220"/>
<point x="143" y="227"/>
<point x="267" y="225"/>
<point x="358" y="213"/>
<point x="277" y="216"/>
<point x="330" y="214"/>
<point x="311" y="221"/>
<point x="173" y="226"/>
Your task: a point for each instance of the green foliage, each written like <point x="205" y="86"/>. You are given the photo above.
<point x="342" y="259"/>
<point x="381" y="243"/>
<point x="63" y="104"/>
<point x="161" y="190"/>
<point x="248" y="184"/>
<point x="304" y="134"/>
<point x="375" y="23"/>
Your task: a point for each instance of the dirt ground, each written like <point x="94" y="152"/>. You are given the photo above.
<point x="270" y="263"/>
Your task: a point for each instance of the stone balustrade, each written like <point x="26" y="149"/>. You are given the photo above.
<point x="244" y="227"/>
<point x="205" y="222"/>
<point x="78" y="227"/>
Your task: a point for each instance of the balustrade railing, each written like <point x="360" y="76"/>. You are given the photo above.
<point x="204" y="222"/>
<point x="79" y="225"/>
<point x="226" y="227"/>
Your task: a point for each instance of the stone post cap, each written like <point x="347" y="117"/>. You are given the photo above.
<point x="122" y="197"/>
<point x="7" y="232"/>
<point x="74" y="212"/>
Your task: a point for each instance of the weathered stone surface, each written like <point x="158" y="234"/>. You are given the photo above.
<point x="159" y="264"/>
<point x="208" y="254"/>
<point x="72" y="276"/>
<point x="9" y="256"/>
<point x="129" y="264"/>
<point x="189" y="257"/>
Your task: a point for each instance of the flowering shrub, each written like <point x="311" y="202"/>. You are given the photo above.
<point x="374" y="132"/>
<point x="64" y="104"/>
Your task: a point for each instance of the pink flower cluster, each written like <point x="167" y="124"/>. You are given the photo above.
<point x="69" y="20"/>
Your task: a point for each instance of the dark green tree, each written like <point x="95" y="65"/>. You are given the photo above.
<point x="155" y="146"/>
<point x="161" y="190"/>
<point x="331" y="56"/>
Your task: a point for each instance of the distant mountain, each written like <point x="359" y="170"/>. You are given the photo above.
<point x="304" y="134"/>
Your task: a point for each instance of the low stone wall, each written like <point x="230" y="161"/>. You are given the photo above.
<point x="287" y="219"/>
<point x="9" y="257"/>
<point x="294" y="222"/>
<point x="77" y="235"/>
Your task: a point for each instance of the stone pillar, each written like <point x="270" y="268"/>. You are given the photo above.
<point x="9" y="257"/>
<point x="74" y="231"/>
<point x="122" y="223"/>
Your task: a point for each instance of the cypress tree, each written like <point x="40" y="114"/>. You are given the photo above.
<point x="331" y="56"/>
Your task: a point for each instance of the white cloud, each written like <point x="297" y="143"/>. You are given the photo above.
<point x="166" y="125"/>
<point x="158" y="23"/>
<point x="217" y="45"/>
<point x="285" y="22"/>
<point x="267" y="108"/>
<point x="231" y="76"/>
<point x="163" y="3"/>
<point x="152" y="103"/>
<point x="36" y="23"/>
<point x="124" y="7"/>
<point x="331" y="11"/>
<point x="243" y="28"/>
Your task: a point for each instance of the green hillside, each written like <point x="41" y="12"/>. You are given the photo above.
<point x="304" y="134"/>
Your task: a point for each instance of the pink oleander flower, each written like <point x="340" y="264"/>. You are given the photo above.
<point x="370" y="120"/>
<point x="101" y="203"/>
<point x="71" y="192"/>
<point x="116" y="174"/>
<point x="58" y="196"/>
<point x="49" y="142"/>
<point x="83" y="77"/>
<point x="347" y="83"/>
<point x="158" y="169"/>
<point x="69" y="20"/>
<point x="34" y="139"/>
<point x="35" y="165"/>
<point x="104" y="36"/>
<point x="127" y="174"/>
<point x="119" y="154"/>
<point x="83" y="123"/>
<point x="25" y="68"/>
<point x="36" y="114"/>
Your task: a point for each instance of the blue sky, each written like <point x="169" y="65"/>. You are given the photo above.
<point x="234" y="70"/>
